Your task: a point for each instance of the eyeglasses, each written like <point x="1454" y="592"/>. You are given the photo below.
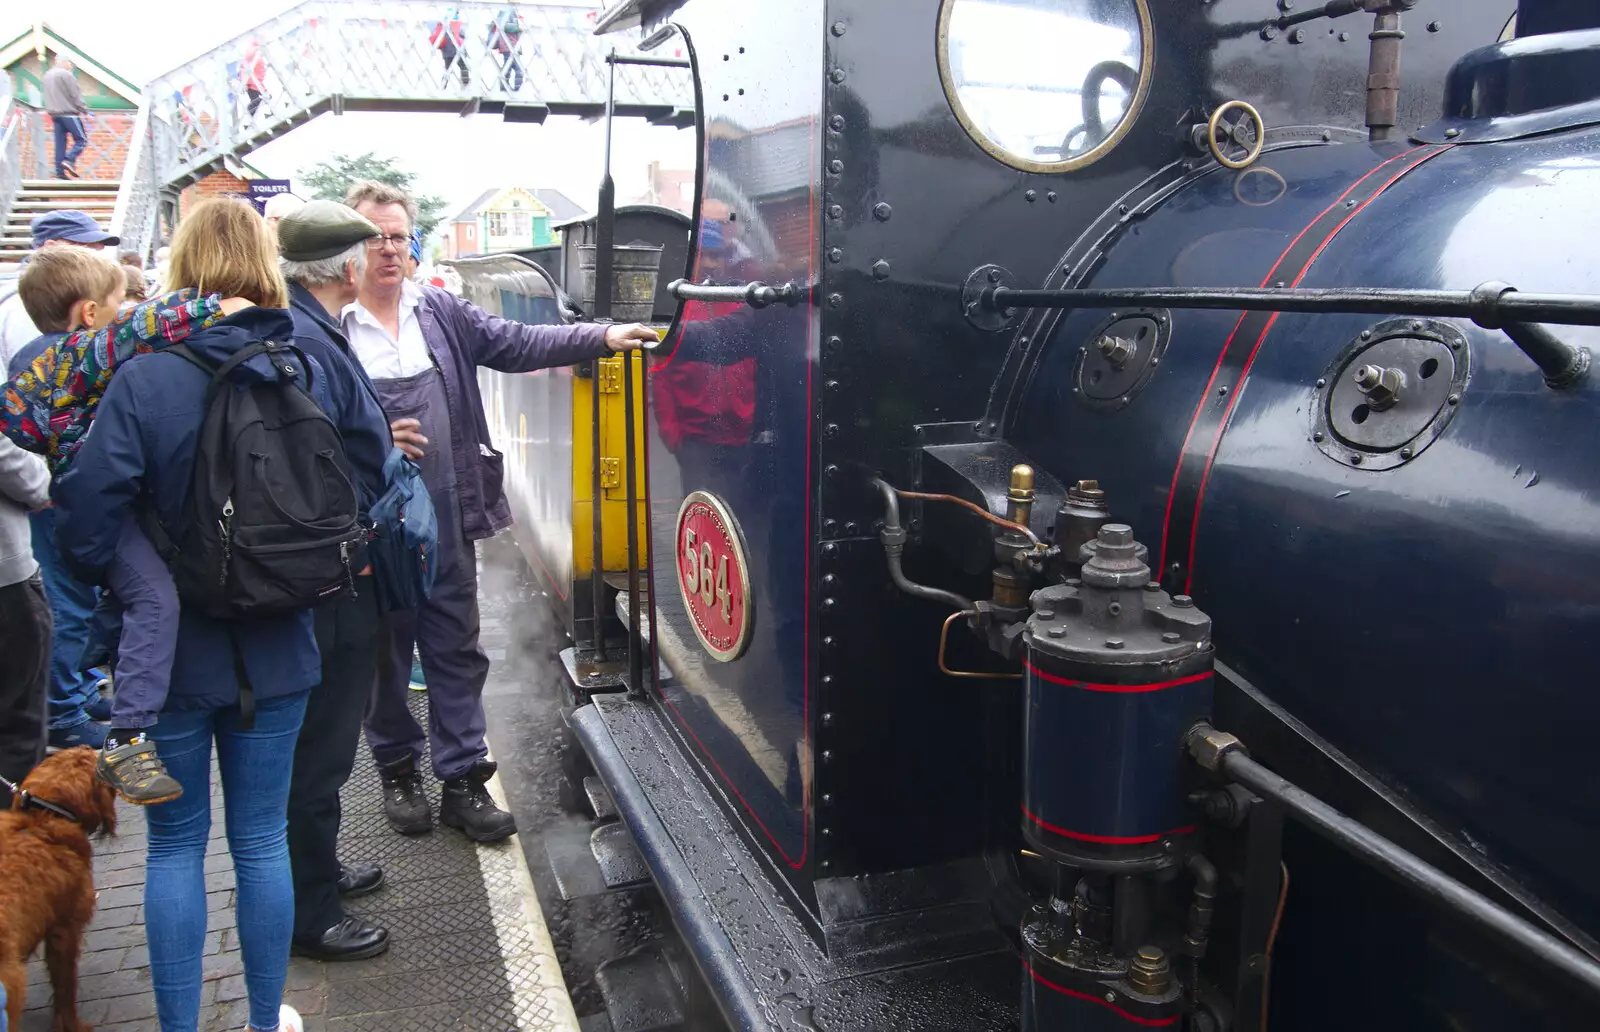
<point x="400" y="242"/>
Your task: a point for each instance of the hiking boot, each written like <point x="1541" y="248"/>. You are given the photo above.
<point x="466" y="805"/>
<point x="404" y="801"/>
<point x="136" y="773"/>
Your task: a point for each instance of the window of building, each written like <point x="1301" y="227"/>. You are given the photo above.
<point x="509" y="224"/>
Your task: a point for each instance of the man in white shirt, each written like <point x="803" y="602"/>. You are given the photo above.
<point x="422" y="347"/>
<point x="51" y="229"/>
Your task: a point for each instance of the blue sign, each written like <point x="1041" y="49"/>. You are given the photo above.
<point x="260" y="191"/>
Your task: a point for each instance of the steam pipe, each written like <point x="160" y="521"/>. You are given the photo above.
<point x="1225" y="755"/>
<point x="893" y="536"/>
<point x="1202" y="906"/>
<point x="1383" y="73"/>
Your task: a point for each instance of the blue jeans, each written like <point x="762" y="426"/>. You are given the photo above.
<point x="255" y="767"/>
<point x="71" y="602"/>
<point x="68" y="125"/>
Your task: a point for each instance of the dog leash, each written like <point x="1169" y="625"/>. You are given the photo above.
<point x="29" y="799"/>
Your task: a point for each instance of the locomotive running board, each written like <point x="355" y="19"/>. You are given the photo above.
<point x="754" y="949"/>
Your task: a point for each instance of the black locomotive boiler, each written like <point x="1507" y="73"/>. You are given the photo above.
<point x="1122" y="517"/>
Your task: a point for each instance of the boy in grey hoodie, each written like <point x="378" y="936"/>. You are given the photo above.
<point x="25" y="626"/>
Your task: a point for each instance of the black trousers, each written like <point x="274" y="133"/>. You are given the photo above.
<point x="347" y="636"/>
<point x="25" y="632"/>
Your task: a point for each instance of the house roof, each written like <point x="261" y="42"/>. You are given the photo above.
<point x="42" y="38"/>
<point x="562" y="208"/>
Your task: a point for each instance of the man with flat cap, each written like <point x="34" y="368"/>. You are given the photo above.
<point x="322" y="249"/>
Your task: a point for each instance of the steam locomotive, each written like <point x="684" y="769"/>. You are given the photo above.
<point x="1119" y="539"/>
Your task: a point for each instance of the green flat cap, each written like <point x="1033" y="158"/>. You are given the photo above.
<point x="320" y="230"/>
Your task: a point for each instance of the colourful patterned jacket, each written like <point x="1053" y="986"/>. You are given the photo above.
<point x="48" y="407"/>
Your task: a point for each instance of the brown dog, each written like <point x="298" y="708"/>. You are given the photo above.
<point x="47" y="878"/>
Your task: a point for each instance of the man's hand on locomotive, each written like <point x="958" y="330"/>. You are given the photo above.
<point x="631" y="337"/>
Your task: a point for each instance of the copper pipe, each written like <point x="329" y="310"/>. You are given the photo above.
<point x="944" y="636"/>
<point x="1272" y="940"/>
<point x="920" y="496"/>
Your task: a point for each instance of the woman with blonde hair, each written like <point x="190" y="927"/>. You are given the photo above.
<point x="141" y="456"/>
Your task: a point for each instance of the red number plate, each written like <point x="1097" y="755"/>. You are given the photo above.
<point x="713" y="577"/>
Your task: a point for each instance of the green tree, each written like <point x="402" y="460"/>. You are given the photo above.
<point x="330" y="180"/>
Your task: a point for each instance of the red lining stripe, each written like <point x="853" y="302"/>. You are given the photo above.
<point x="1222" y="355"/>
<point x="1244" y="372"/>
<point x="1134" y="1018"/>
<point x="805" y="718"/>
<point x="1106" y="840"/>
<point x="1092" y="686"/>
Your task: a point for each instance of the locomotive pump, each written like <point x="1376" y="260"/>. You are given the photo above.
<point x="1117" y="672"/>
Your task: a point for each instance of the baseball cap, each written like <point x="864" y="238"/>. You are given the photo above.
<point x="72" y="226"/>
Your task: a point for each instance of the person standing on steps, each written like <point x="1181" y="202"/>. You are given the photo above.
<point x="422" y="346"/>
<point x="322" y="251"/>
<point x="64" y="101"/>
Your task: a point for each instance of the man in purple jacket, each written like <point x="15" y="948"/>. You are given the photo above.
<point x="422" y="347"/>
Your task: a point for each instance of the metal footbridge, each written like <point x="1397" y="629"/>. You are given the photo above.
<point x="525" y="62"/>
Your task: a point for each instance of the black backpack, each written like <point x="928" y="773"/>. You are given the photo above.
<point x="272" y="520"/>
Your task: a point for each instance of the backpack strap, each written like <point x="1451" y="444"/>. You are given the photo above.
<point x="220" y="373"/>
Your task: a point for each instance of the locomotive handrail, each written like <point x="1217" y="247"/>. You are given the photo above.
<point x="756" y="294"/>
<point x="1223" y="754"/>
<point x="1493" y="305"/>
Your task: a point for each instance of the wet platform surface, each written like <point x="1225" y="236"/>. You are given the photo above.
<point x="469" y="946"/>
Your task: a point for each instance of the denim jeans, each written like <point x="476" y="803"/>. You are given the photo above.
<point x="255" y="766"/>
<point x="71" y="602"/>
<point x="65" y="126"/>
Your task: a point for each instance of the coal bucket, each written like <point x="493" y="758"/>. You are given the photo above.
<point x="633" y="286"/>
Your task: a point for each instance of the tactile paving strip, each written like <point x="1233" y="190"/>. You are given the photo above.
<point x="469" y="947"/>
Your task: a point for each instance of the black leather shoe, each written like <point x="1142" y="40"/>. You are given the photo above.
<point x="404" y="801"/>
<point x="465" y="804"/>
<point x="351" y="939"/>
<point x="359" y="878"/>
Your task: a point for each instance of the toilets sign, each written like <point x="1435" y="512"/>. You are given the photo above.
<point x="260" y="191"/>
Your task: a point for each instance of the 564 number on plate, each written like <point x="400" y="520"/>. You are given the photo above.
<point x="713" y="576"/>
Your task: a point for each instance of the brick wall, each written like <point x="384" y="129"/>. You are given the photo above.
<point x="223" y="182"/>
<point x="104" y="158"/>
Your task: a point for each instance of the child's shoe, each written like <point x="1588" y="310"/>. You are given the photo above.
<point x="134" y="770"/>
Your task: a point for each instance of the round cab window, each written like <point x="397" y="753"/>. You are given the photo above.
<point x="1045" y="85"/>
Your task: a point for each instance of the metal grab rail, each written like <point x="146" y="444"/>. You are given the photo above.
<point x="756" y="295"/>
<point x="1492" y="305"/>
<point x="138" y="198"/>
<point x="1223" y="754"/>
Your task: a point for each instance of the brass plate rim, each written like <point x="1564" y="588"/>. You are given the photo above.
<point x="1146" y="73"/>
<point x="736" y="539"/>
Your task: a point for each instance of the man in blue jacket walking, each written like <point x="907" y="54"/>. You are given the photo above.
<point x="422" y="348"/>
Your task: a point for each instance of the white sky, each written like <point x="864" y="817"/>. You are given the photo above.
<point x="454" y="157"/>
